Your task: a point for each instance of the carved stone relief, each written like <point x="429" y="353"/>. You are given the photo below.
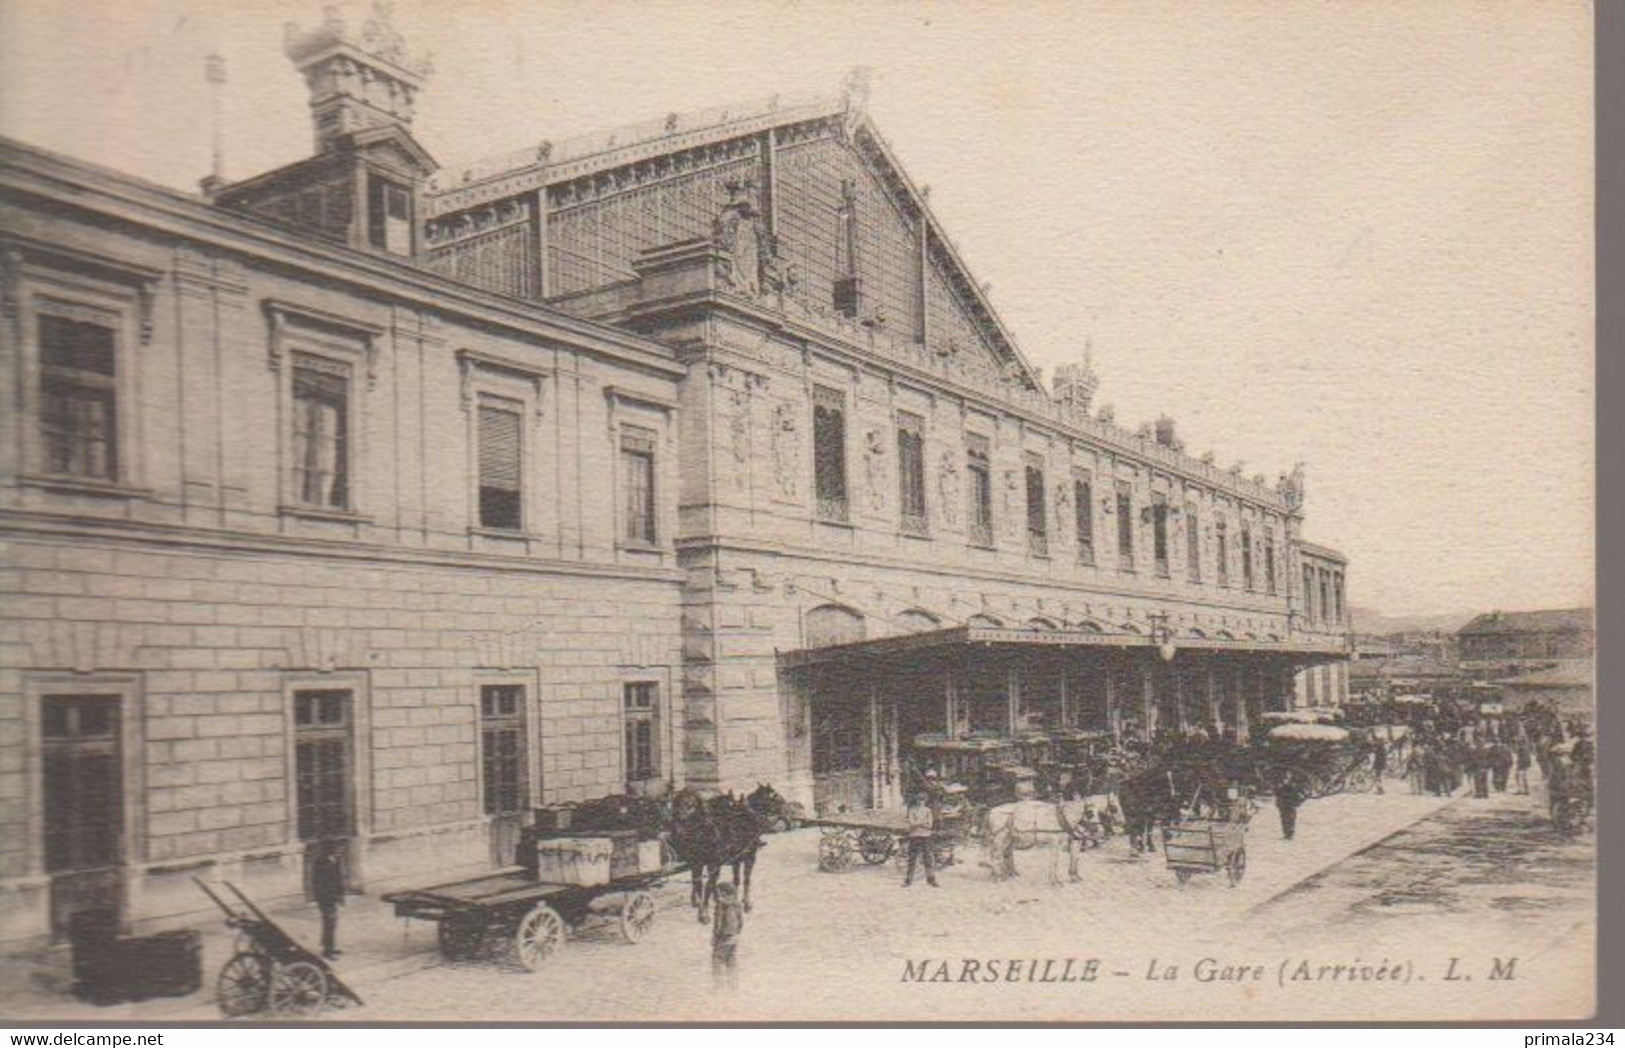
<point x="787" y="451"/>
<point x="948" y="488"/>
<point x="874" y="465"/>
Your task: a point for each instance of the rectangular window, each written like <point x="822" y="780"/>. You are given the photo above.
<point x="321" y="433"/>
<point x="1327" y="613"/>
<point x="1246" y="557"/>
<point x="642" y="719"/>
<point x="1221" y="551"/>
<point x="638" y="476"/>
<point x="502" y="749"/>
<point x="1159" y="534"/>
<point x="1193" y="543"/>
<point x="1083" y="511"/>
<point x="500" y="457"/>
<point x="1125" y="526"/>
<point x="1337" y="598"/>
<point x="84" y="782"/>
<point x="78" y="397"/>
<point x="321" y="722"/>
<point x="1037" y="509"/>
<point x="1269" y="565"/>
<point x="980" y="472"/>
<point x="1309" y="593"/>
<point x="389" y="211"/>
<point x="911" y="472"/>
<point x="829" y="453"/>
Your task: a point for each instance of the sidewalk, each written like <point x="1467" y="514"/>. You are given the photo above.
<point x="376" y="946"/>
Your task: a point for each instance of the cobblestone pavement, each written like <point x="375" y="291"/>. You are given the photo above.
<point x="1362" y="868"/>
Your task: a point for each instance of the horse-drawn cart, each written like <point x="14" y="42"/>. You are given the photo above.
<point x="1325" y="759"/>
<point x="524" y="915"/>
<point x="270" y="971"/>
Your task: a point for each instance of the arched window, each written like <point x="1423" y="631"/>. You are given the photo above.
<point x="1041" y="624"/>
<point x="917" y="621"/>
<point x="984" y="621"/>
<point x="832" y="624"/>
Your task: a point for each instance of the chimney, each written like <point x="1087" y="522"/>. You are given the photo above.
<point x="358" y="78"/>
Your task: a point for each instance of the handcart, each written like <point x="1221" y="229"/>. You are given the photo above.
<point x="270" y="971"/>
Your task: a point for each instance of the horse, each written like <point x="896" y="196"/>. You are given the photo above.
<point x="709" y="834"/>
<point x="1069" y="826"/>
<point x="1147" y="798"/>
<point x="776" y="813"/>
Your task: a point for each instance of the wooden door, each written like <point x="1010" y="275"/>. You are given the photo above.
<point x="83" y="796"/>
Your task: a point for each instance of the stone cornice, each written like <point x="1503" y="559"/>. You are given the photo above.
<point x="82" y="530"/>
<point x="30" y="173"/>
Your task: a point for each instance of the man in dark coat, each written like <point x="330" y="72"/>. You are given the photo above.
<point x="1288" y="795"/>
<point x="327" y="886"/>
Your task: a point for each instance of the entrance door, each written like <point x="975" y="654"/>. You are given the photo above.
<point x="84" y="809"/>
<point x="840" y="753"/>
<point x="322" y="766"/>
<point x="504" y="763"/>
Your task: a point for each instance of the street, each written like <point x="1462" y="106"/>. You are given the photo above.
<point x="1369" y="879"/>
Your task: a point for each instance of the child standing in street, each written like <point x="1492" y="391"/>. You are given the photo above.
<point x="728" y="923"/>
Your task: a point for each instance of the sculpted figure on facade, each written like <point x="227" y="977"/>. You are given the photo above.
<point x="786" y="451"/>
<point x="744" y="243"/>
<point x="948" y="488"/>
<point x="1012" y="507"/>
<point x="874" y="468"/>
<point x="1290" y="487"/>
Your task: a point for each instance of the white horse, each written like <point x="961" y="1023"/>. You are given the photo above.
<point x="1069" y="827"/>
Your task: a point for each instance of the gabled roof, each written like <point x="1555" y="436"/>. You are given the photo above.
<point x="554" y="163"/>
<point x="1530" y="621"/>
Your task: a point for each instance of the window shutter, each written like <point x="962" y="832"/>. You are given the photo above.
<point x="499" y="449"/>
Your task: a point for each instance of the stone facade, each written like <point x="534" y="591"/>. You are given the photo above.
<point x="194" y="585"/>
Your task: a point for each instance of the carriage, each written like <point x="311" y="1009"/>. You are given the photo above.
<point x="270" y="971"/>
<point x="1324" y="758"/>
<point x="523" y="916"/>
<point x="990" y="767"/>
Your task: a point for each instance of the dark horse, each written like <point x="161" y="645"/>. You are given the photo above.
<point x="1193" y="776"/>
<point x="710" y="833"/>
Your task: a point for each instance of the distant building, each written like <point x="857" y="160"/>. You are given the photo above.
<point x="1513" y="642"/>
<point x="1568" y="686"/>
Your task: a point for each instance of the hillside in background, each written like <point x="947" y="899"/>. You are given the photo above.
<point x="1368" y="621"/>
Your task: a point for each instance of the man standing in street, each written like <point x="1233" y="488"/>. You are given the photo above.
<point x="726" y="926"/>
<point x="1288" y="795"/>
<point x="1379" y="762"/>
<point x="922" y="824"/>
<point x="327" y="886"/>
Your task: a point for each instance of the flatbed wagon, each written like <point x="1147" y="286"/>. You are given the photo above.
<point x="510" y="915"/>
<point x="873" y="835"/>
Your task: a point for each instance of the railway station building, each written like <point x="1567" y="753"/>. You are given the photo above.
<point x="376" y="502"/>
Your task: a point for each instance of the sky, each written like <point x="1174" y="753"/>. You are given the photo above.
<point x="1356" y="235"/>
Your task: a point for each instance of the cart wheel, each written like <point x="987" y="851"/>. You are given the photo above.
<point x="243" y="984"/>
<point x="876" y="847"/>
<point x="541" y="934"/>
<point x="1183" y="875"/>
<point x="459" y="940"/>
<point x="1236" y="867"/>
<point x="637" y="916"/>
<point x="298" y="987"/>
<point x="834" y="852"/>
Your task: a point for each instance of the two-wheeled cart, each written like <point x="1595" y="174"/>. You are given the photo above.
<point x="270" y="971"/>
<point x="1206" y="845"/>
<point x="514" y="917"/>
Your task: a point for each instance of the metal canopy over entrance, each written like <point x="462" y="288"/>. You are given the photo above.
<point x="1309" y="650"/>
<point x="865" y="702"/>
